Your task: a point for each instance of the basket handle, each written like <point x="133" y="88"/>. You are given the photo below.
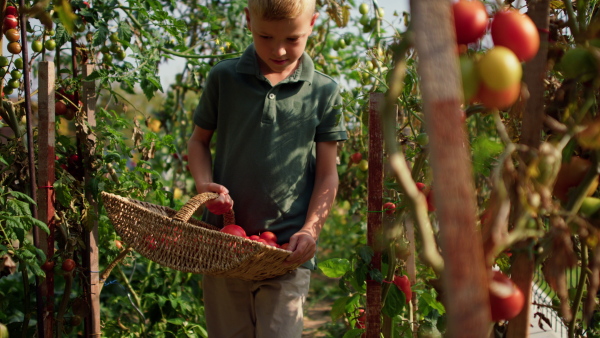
<point x="186" y="212"/>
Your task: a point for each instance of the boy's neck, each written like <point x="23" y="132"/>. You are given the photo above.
<point x="276" y="77"/>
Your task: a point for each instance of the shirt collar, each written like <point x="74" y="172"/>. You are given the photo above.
<point x="248" y="64"/>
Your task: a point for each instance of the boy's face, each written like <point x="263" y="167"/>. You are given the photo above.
<point x="280" y="44"/>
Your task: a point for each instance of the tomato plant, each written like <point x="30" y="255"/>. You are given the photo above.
<point x="68" y="265"/>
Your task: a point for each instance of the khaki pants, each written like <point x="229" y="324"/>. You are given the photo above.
<point x="270" y="308"/>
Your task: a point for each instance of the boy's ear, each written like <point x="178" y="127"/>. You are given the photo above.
<point x="314" y="19"/>
<point x="247" y="11"/>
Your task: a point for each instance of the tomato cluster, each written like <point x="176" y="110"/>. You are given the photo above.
<point x="265" y="237"/>
<point x="493" y="78"/>
<point x="10" y="28"/>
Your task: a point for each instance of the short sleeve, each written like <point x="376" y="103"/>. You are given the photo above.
<point x="206" y="113"/>
<point x="332" y="126"/>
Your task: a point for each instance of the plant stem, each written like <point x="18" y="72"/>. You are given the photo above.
<point x="579" y="294"/>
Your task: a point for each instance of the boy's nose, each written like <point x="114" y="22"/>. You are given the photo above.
<point x="279" y="50"/>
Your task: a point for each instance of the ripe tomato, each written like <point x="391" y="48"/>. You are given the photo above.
<point x="500" y="99"/>
<point x="499" y="68"/>
<point x="11" y="10"/>
<point x="470" y="20"/>
<point x="285" y="246"/>
<point x="48" y="266"/>
<point x="361" y="319"/>
<point x="356" y="158"/>
<point x="570" y="176"/>
<point x="517" y="32"/>
<point x="12" y="35"/>
<point x="268" y="236"/>
<point x="10" y="21"/>
<point x="506" y="299"/>
<point x="118" y="244"/>
<point x="235" y="230"/>
<point x="389" y="208"/>
<point x="403" y="285"/>
<point x="68" y="265"/>
<point x="14" y="47"/>
<point x="254" y="237"/>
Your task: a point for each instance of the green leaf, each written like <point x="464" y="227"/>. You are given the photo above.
<point x="176" y="321"/>
<point x="485" y="151"/>
<point x="22" y="196"/>
<point x="353" y="333"/>
<point x="335" y="267"/>
<point x="431" y="302"/>
<point x="339" y="308"/>
<point x="366" y="253"/>
<point x="394" y="302"/>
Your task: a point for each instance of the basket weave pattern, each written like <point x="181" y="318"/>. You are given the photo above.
<point x="175" y="240"/>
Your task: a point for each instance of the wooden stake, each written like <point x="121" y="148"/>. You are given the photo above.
<point x="87" y="141"/>
<point x="465" y="277"/>
<point x="374" y="216"/>
<point x="45" y="182"/>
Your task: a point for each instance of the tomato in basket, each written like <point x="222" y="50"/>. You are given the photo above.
<point x="235" y="230"/>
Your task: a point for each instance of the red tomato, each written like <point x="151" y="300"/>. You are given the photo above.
<point x="11" y="10"/>
<point x="570" y="176"/>
<point x="285" y="246"/>
<point x="271" y="243"/>
<point x="356" y="157"/>
<point x="263" y="241"/>
<point x="421" y="186"/>
<point x="118" y="244"/>
<point x="470" y="20"/>
<point x="389" y="208"/>
<point x="403" y="285"/>
<point x="430" y="204"/>
<point x="254" y="237"/>
<point x="68" y="265"/>
<point x="500" y="99"/>
<point x="14" y="47"/>
<point x="60" y="108"/>
<point x="48" y="266"/>
<point x="506" y="299"/>
<point x="268" y="236"/>
<point x="361" y="319"/>
<point x="10" y="21"/>
<point x="517" y="32"/>
<point x="235" y="230"/>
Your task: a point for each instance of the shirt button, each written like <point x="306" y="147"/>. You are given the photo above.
<point x="271" y="96"/>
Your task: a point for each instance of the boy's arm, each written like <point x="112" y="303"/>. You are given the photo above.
<point x="200" y="164"/>
<point x="303" y="243"/>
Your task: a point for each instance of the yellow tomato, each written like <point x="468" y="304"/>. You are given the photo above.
<point x="500" y="68"/>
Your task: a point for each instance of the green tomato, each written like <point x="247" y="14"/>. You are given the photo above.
<point x="37" y="46"/>
<point x="578" y="63"/>
<point x="16" y="74"/>
<point x="363" y="8"/>
<point x="7" y="90"/>
<point x="341" y="43"/>
<point x="50" y="44"/>
<point x="422" y="139"/>
<point x="4" y="61"/>
<point x="589" y="206"/>
<point x="50" y="33"/>
<point x="364" y="20"/>
<point x="121" y="55"/>
<point x="469" y="76"/>
<point x="114" y="38"/>
<point x="104" y="49"/>
<point x="107" y="58"/>
<point x="18" y="63"/>
<point x="380" y="12"/>
<point x="2" y="71"/>
<point x="14" y="83"/>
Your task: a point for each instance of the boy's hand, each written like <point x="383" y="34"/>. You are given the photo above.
<point x="303" y="247"/>
<point x="221" y="204"/>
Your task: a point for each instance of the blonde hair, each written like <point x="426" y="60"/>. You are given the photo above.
<point x="271" y="10"/>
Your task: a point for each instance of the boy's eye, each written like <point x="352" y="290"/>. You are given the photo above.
<point x="293" y="39"/>
<point x="265" y="37"/>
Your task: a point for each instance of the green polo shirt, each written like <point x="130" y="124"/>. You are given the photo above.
<point x="266" y="137"/>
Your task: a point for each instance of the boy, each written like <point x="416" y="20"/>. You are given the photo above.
<point x="278" y="122"/>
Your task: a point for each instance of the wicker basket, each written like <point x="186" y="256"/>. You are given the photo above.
<point x="175" y="240"/>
